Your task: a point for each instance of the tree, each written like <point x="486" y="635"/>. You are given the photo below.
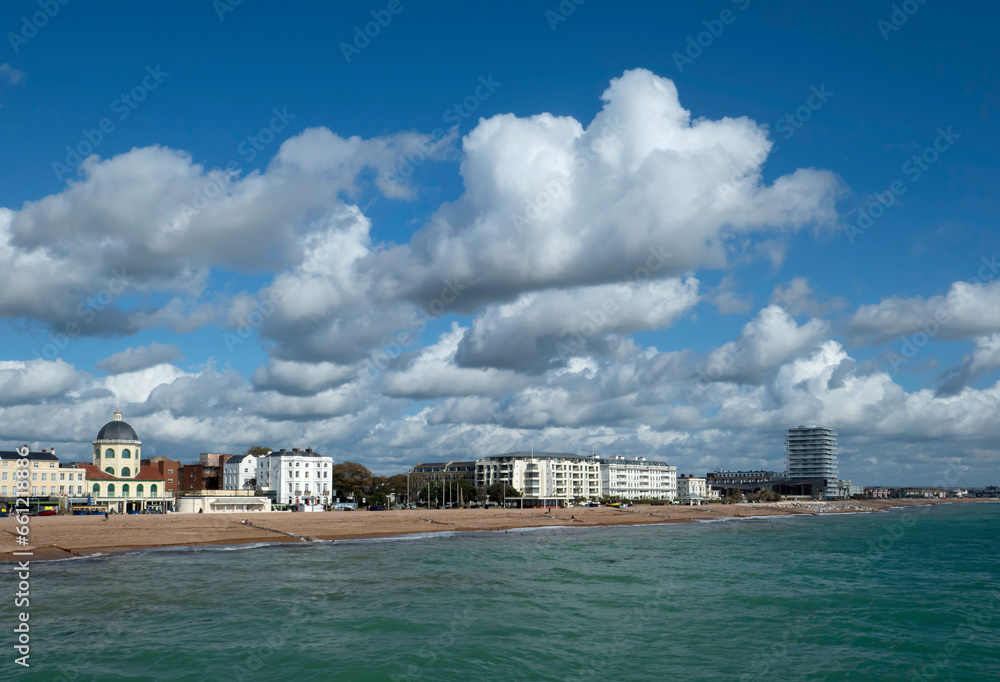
<point x="258" y="451"/>
<point x="498" y="492"/>
<point x="352" y="479"/>
<point x="396" y="484"/>
<point x="251" y="484"/>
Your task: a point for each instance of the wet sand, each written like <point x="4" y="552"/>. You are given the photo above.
<point x="57" y="537"/>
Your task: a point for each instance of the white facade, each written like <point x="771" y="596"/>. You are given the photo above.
<point x="237" y="470"/>
<point x="72" y="482"/>
<point x="636" y="478"/>
<point x="692" y="489"/>
<point x="543" y="475"/>
<point x="299" y="477"/>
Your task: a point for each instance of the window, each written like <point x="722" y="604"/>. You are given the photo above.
<point x="62" y="489"/>
<point x="109" y="453"/>
<point x="34" y="464"/>
<point x="126" y="454"/>
<point x="170" y="471"/>
<point x="139" y="490"/>
<point x="125" y="490"/>
<point x="152" y="490"/>
<point x="126" y="471"/>
<point x="111" y="489"/>
<point x="170" y="480"/>
<point x="5" y="474"/>
<point x="43" y="476"/>
<point x="96" y="489"/>
<point x="97" y="451"/>
<point x="110" y="470"/>
<point x="62" y="476"/>
<point x="44" y="488"/>
<point x="34" y="477"/>
<point x="4" y="489"/>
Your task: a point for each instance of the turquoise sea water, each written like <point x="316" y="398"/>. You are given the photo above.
<point x="911" y="594"/>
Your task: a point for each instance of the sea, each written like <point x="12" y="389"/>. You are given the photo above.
<point x="908" y="594"/>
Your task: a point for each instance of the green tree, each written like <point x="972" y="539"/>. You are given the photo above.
<point x="352" y="480"/>
<point x="498" y="492"/>
<point x="258" y="451"/>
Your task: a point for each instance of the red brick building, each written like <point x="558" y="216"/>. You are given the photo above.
<point x="206" y="475"/>
<point x="170" y="471"/>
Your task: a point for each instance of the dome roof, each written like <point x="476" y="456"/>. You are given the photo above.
<point x="117" y="430"/>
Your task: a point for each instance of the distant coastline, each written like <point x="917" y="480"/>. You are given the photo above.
<point x="63" y="537"/>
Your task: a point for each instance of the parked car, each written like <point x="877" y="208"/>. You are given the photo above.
<point x="376" y="507"/>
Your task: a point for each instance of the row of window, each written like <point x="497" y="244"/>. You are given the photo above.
<point x="34" y="476"/>
<point x="34" y="465"/>
<point x="140" y="490"/>
<point x="45" y="490"/>
<point x="125" y="471"/>
<point x="126" y="454"/>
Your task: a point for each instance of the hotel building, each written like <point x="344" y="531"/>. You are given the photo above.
<point x="636" y="478"/>
<point x="544" y="478"/>
<point x="297" y="477"/>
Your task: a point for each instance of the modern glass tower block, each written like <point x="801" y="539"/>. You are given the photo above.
<point x="811" y="452"/>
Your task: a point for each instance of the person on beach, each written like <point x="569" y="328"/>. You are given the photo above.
<point x="106" y="515"/>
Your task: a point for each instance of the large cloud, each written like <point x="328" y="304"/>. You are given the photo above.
<point x="968" y="309"/>
<point x="161" y="222"/>
<point x="140" y="357"/>
<point x="551" y="203"/>
<point x="544" y="329"/>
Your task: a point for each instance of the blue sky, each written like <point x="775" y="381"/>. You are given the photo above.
<point x="802" y="115"/>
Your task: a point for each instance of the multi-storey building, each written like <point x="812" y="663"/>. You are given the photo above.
<point x="43" y="469"/>
<point x="692" y="489"/>
<point x="169" y="469"/>
<point x="205" y="475"/>
<point x="811" y="452"/>
<point x="298" y="477"/>
<point x="637" y="478"/>
<point x="427" y="472"/>
<point x="544" y="478"/>
<point x="238" y="471"/>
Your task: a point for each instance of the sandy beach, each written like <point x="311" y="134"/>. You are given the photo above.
<point x="58" y="537"/>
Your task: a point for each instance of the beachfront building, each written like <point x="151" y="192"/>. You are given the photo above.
<point x="811" y="453"/>
<point x="302" y="478"/>
<point x="427" y="472"/>
<point x="43" y="470"/>
<point x="692" y="489"/>
<point x="635" y="478"/>
<point x="725" y="482"/>
<point x="544" y="478"/>
<point x="239" y="472"/>
<point x="221" y="502"/>
<point x="116" y="478"/>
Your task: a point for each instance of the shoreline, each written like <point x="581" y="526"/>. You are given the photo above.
<point x="68" y="537"/>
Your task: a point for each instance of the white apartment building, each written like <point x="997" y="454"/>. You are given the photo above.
<point x="692" y="489"/>
<point x="237" y="470"/>
<point x="298" y="477"/>
<point x="633" y="478"/>
<point x="545" y="478"/>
